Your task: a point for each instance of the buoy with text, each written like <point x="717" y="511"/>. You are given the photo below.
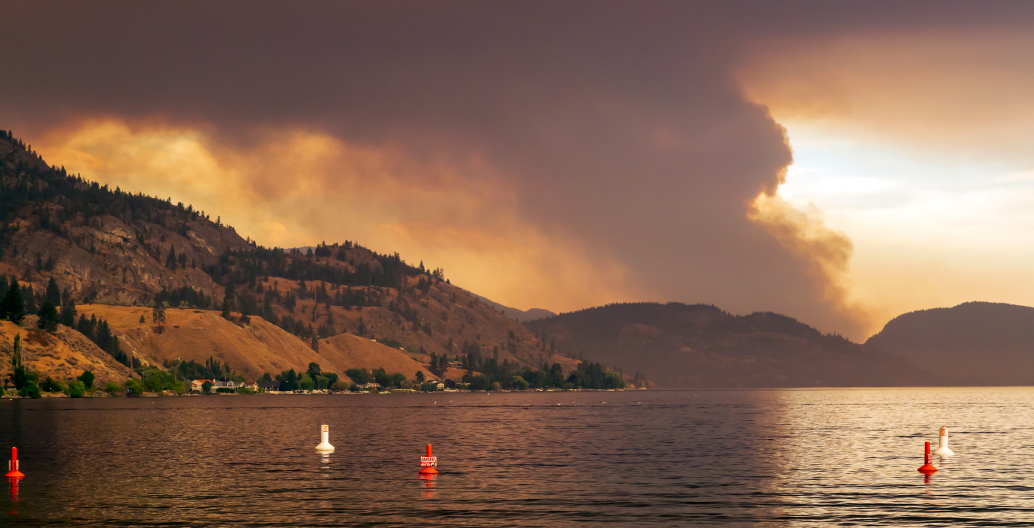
<point x="428" y="463"/>
<point x="325" y="446"/>
<point x="942" y="449"/>
<point x="927" y="467"/>
<point x="12" y="466"/>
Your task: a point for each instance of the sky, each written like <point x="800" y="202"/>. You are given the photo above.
<point x="840" y="163"/>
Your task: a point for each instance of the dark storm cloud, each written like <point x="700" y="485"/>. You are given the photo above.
<point x="618" y="124"/>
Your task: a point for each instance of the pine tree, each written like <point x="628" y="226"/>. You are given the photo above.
<point x="47" y="316"/>
<point x="14" y="305"/>
<point x="228" y="298"/>
<point x="53" y="292"/>
<point x="19" y="373"/>
<point x="104" y="336"/>
<point x="158" y="315"/>
<point x="29" y="296"/>
<point x="3" y="296"/>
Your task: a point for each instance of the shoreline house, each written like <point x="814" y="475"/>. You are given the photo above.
<point x="227" y="383"/>
<point x="198" y="385"/>
<point x="223" y="383"/>
<point x="272" y="387"/>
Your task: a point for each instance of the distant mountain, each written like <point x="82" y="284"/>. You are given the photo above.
<point x="515" y="313"/>
<point x="975" y="343"/>
<point x="699" y="346"/>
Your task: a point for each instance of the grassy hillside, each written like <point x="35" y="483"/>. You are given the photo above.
<point x="251" y="349"/>
<point x="63" y="355"/>
<point x="678" y="345"/>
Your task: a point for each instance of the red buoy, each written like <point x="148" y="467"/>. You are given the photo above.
<point x="927" y="467"/>
<point x="12" y="466"/>
<point x="428" y="463"/>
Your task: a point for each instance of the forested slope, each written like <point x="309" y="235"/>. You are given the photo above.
<point x="975" y="343"/>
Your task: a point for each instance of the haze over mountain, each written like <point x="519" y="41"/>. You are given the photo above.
<point x="517" y="313"/>
<point x="975" y="343"/>
<point x="123" y="252"/>
<point x="701" y="346"/>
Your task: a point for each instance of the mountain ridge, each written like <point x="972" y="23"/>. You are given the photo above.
<point x="516" y="314"/>
<point x="973" y="343"/>
<point x="702" y="346"/>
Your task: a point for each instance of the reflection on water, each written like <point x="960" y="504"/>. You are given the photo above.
<point x="13" y="511"/>
<point x="428" y="488"/>
<point x="543" y="459"/>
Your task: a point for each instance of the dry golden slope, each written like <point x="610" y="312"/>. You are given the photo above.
<point x="251" y="350"/>
<point x="62" y="355"/>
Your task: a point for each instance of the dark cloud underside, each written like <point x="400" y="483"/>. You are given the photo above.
<point x="617" y="124"/>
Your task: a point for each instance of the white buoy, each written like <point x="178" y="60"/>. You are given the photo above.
<point x="325" y="446"/>
<point x="942" y="449"/>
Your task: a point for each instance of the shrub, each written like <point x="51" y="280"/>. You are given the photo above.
<point x="360" y="376"/>
<point x="29" y="390"/>
<point x="52" y="385"/>
<point x="157" y="380"/>
<point x="87" y="378"/>
<point x="391" y="343"/>
<point x="134" y="387"/>
<point x="76" y="389"/>
<point x="519" y="383"/>
<point x="112" y="388"/>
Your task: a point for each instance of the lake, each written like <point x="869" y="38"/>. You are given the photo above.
<point x="536" y="459"/>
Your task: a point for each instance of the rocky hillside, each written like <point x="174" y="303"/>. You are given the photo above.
<point x="109" y="248"/>
<point x="103" y="245"/>
<point x="699" y="346"/>
<point x="975" y="343"/>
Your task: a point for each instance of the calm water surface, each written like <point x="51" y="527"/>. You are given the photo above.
<point x="543" y="459"/>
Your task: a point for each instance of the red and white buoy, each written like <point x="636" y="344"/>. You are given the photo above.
<point x="942" y="449"/>
<point x="927" y="467"/>
<point x="12" y="466"/>
<point x="428" y="463"/>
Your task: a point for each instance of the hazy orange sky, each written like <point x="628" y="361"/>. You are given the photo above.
<point x="840" y="163"/>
